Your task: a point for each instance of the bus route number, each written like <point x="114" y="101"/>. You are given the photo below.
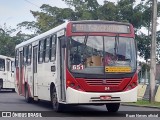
<point x="77" y="67"/>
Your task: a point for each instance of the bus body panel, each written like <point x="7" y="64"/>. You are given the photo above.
<point x="81" y="97"/>
<point x="44" y="76"/>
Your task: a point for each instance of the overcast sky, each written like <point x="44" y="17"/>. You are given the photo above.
<point x="13" y="12"/>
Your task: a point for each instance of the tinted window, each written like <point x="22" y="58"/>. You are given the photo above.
<point x="47" y="49"/>
<point x="29" y="55"/>
<point x="53" y="48"/>
<point x="16" y="58"/>
<point x="40" y="51"/>
<point x="2" y="65"/>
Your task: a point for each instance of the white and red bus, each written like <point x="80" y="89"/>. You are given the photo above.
<point x="7" y="73"/>
<point x="79" y="62"/>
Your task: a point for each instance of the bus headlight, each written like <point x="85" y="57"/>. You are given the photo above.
<point x="72" y="85"/>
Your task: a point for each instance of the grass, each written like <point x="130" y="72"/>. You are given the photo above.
<point x="145" y="103"/>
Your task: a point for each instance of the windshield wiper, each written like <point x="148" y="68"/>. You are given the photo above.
<point x="85" y="42"/>
<point x="85" y="46"/>
<point x="116" y="44"/>
<point x="85" y="39"/>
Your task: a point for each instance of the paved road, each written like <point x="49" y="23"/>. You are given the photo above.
<point x="10" y="101"/>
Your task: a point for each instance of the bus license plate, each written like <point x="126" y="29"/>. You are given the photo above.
<point x="105" y="97"/>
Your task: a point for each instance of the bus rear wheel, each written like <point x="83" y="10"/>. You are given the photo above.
<point x="112" y="107"/>
<point x="57" y="107"/>
<point x="27" y="98"/>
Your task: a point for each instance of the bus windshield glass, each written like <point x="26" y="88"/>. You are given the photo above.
<point x="101" y="54"/>
<point x="2" y="64"/>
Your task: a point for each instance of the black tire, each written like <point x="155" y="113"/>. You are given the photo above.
<point x="57" y="107"/>
<point x="112" y="107"/>
<point x="27" y="98"/>
<point x="13" y="90"/>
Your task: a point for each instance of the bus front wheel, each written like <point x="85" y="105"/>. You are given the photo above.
<point x="57" y="107"/>
<point x="112" y="107"/>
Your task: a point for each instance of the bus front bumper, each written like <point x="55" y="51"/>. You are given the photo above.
<point x="79" y="97"/>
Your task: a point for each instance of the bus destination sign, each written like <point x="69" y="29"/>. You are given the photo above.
<point x="112" y="28"/>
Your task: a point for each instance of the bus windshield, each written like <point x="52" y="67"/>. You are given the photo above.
<point x="91" y="54"/>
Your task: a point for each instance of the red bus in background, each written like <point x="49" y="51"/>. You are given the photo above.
<point x="89" y="62"/>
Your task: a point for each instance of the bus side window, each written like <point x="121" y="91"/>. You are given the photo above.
<point x="53" y="48"/>
<point x="16" y="58"/>
<point x="8" y="64"/>
<point x="40" y="51"/>
<point x="29" y="54"/>
<point x="25" y="49"/>
<point x="2" y="65"/>
<point x="46" y="52"/>
<point x="12" y="66"/>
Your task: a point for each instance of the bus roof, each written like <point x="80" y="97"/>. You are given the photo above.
<point x="4" y="57"/>
<point x="56" y="29"/>
<point x="60" y="27"/>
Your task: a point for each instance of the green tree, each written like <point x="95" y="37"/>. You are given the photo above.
<point x="47" y="18"/>
<point x="8" y="42"/>
<point x="127" y="11"/>
<point x="146" y="18"/>
<point x="108" y="11"/>
<point x="143" y="44"/>
<point x="7" y="46"/>
<point x="84" y="9"/>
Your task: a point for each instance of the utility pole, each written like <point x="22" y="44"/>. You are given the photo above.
<point x="153" y="51"/>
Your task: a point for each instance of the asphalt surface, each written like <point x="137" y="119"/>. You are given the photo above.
<point x="12" y="102"/>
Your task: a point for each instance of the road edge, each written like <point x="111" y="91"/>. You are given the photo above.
<point x="140" y="106"/>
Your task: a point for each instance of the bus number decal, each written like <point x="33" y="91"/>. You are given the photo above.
<point x="77" y="67"/>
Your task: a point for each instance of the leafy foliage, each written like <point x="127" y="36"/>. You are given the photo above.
<point x="8" y="42"/>
<point x="7" y="46"/>
<point x="143" y="44"/>
<point x="47" y="18"/>
<point x="108" y="11"/>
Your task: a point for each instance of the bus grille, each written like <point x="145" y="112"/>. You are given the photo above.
<point x="94" y="82"/>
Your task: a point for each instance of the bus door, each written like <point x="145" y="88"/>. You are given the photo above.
<point x="35" y="82"/>
<point x="12" y="74"/>
<point x="21" y="72"/>
<point x="62" y="69"/>
<point x="2" y="73"/>
<point x="8" y="73"/>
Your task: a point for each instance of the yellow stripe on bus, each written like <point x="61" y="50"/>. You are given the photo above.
<point x="117" y="69"/>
